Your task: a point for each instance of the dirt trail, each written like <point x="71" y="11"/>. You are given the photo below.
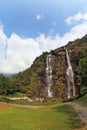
<point x="81" y="111"/>
<point x="23" y="106"/>
<point x="27" y="106"/>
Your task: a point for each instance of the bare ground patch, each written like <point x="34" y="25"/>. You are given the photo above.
<point x="82" y="113"/>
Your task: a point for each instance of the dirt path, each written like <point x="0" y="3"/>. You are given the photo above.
<point x="27" y="106"/>
<point x="81" y="111"/>
<point x="23" y="106"/>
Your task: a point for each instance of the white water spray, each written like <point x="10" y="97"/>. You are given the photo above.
<point x="70" y="77"/>
<point x="49" y="75"/>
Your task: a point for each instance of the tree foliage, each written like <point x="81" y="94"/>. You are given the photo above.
<point x="83" y="74"/>
<point x="6" y="86"/>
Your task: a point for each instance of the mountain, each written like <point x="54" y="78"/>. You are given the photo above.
<point x="61" y="73"/>
<point x="7" y="74"/>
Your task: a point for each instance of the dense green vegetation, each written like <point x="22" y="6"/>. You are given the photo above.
<point x="6" y="86"/>
<point x="82" y="100"/>
<point x="83" y="74"/>
<point x="5" y="99"/>
<point x="55" y="117"/>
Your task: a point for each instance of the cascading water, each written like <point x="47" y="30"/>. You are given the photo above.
<point x="70" y="77"/>
<point x="49" y="75"/>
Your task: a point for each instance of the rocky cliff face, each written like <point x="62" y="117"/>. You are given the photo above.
<point x="39" y="76"/>
<point x="35" y="78"/>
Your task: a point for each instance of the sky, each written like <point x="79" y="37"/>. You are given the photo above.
<point x="30" y="27"/>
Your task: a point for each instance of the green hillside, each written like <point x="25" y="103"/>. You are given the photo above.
<point x="82" y="100"/>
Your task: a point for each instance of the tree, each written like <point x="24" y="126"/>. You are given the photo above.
<point x="6" y="86"/>
<point x="83" y="73"/>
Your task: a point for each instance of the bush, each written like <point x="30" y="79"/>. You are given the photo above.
<point x="83" y="90"/>
<point x="5" y="99"/>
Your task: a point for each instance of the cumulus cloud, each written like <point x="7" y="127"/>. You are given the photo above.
<point x="20" y="54"/>
<point x="77" y="18"/>
<point x="17" y="53"/>
<point x="39" y="16"/>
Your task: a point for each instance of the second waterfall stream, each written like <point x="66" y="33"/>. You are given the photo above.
<point x="70" y="77"/>
<point x="49" y="75"/>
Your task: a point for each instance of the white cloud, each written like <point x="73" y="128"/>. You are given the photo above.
<point x="47" y="43"/>
<point x="39" y="16"/>
<point x="77" y="18"/>
<point x="21" y="52"/>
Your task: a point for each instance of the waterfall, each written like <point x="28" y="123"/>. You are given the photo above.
<point x="70" y="77"/>
<point x="49" y="75"/>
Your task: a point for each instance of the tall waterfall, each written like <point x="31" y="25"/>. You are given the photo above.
<point x="70" y="77"/>
<point x="49" y="75"/>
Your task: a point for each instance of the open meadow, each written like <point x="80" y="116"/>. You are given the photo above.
<point x="59" y="116"/>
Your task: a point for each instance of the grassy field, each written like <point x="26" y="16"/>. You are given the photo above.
<point x="51" y="117"/>
<point x="82" y="100"/>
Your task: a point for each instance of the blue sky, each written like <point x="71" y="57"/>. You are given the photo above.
<point x="19" y="16"/>
<point x="30" y="27"/>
